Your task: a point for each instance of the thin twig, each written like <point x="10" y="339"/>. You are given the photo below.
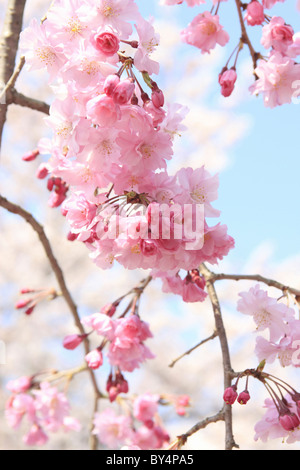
<point x="244" y="37"/>
<point x="211" y="337"/>
<point x="256" y="277"/>
<point x="181" y="440"/>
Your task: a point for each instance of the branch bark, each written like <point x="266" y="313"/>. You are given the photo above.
<point x="228" y="371"/>
<point x="257" y="277"/>
<point x="9" y="42"/>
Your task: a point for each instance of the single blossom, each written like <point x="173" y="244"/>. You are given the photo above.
<point x="255" y="13"/>
<point x="205" y="32"/>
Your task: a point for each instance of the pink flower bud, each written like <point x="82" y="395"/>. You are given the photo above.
<point x="94" y="359"/>
<point x="106" y="42"/>
<point x="227" y="81"/>
<point x="158" y="99"/>
<point x="230" y="395"/>
<point x="22" y="303"/>
<point x="289" y="421"/>
<point x="71" y="342"/>
<point x="42" y="171"/>
<point x="20" y="385"/>
<point x="124" y="91"/>
<point x="102" y="110"/>
<point x="72" y="236"/>
<point x="243" y="397"/>
<point x="110" y="84"/>
<point x="109" y="309"/>
<point x="26" y="290"/>
<point x="255" y="13"/>
<point x="30" y="310"/>
<point x="30" y="156"/>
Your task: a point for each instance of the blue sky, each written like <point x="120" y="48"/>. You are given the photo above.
<point x="259" y="191"/>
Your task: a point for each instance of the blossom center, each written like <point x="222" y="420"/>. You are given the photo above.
<point x="208" y="28"/>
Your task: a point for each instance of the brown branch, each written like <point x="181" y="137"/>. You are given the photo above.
<point x="256" y="277"/>
<point x="9" y="42"/>
<point x="244" y="37"/>
<point x="15" y="97"/>
<point x="15" y="209"/>
<point x="220" y="328"/>
<point x="181" y="440"/>
<point x="211" y="337"/>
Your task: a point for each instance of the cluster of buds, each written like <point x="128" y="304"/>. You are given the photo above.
<point x="55" y="185"/>
<point x="231" y="395"/>
<point x="116" y="384"/>
<point x="288" y="407"/>
<point x="33" y="297"/>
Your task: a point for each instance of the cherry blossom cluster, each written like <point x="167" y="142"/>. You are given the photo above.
<point x="139" y="429"/>
<point x="112" y="140"/>
<point x="43" y="407"/>
<point x="277" y="73"/>
<point x="111" y="143"/>
<point x="279" y="320"/>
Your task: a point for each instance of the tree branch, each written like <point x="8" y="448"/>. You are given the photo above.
<point x="244" y="37"/>
<point x="258" y="278"/>
<point x="9" y="42"/>
<point x="193" y="348"/>
<point x="209" y="278"/>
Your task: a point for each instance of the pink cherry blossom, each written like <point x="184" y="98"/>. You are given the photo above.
<point x="277" y="34"/>
<point x="94" y="359"/>
<point x="205" y="32"/>
<point x="266" y="312"/>
<point x="112" y="430"/>
<point x="103" y="111"/>
<point x="148" y="41"/>
<point x="145" y="407"/>
<point x="36" y="436"/>
<point x="270" y="3"/>
<point x="20" y="385"/>
<point x="254" y="13"/>
<point x="101" y="323"/>
<point x="275" y="79"/>
<point x="106" y="42"/>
